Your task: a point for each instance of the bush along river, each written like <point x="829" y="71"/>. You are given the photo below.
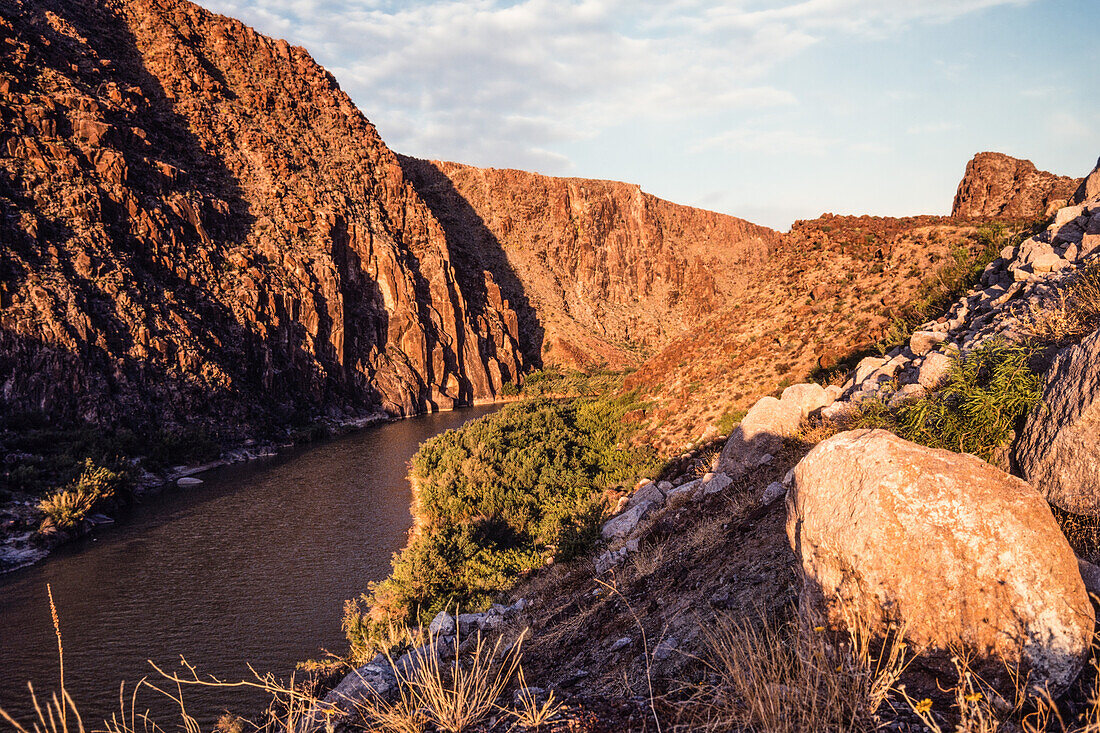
<point x="252" y="567"/>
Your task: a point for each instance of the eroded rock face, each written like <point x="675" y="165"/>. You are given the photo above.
<point x="1059" y="448"/>
<point x="199" y="225"/>
<point x="960" y="552"/>
<point x="997" y="185"/>
<point x="611" y="271"/>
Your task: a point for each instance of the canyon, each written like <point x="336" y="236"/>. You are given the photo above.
<point x="201" y="229"/>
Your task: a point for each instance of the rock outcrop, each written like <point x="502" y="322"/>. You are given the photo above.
<point x="959" y="553"/>
<point x="999" y="186"/>
<point x="1059" y="448"/>
<point x="199" y="226"/>
<point x="611" y="272"/>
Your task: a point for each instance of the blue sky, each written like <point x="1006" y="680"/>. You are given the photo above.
<point x="767" y="110"/>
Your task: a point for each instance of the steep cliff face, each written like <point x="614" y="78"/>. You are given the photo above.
<point x="999" y="186"/>
<point x="608" y="274"/>
<point x="198" y="223"/>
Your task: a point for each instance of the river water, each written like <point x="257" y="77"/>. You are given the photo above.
<point x="252" y="567"/>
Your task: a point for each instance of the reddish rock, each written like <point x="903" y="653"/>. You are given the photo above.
<point x="997" y="185"/>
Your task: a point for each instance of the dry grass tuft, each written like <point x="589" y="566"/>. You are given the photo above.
<point x="454" y="697"/>
<point x="1073" y="315"/>
<point x="792" y="678"/>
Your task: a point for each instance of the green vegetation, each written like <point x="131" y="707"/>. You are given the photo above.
<point x="45" y="455"/>
<point x="988" y="392"/>
<point x="557" y="383"/>
<point x="497" y="498"/>
<point x="67" y="507"/>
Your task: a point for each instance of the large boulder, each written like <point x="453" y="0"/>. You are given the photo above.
<point x="1059" y="447"/>
<point x="965" y="556"/>
<point x="766" y="424"/>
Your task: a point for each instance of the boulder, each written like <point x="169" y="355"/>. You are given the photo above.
<point x="624" y="524"/>
<point x="188" y="482"/>
<point x="1059" y="448"/>
<point x="807" y="397"/>
<point x="934" y="371"/>
<point x="964" y="555"/>
<point x="921" y="342"/>
<point x="715" y="483"/>
<point x="760" y="434"/>
<point x="648" y="492"/>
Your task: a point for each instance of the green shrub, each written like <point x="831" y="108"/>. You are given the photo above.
<point x="499" y="495"/>
<point x="988" y="392"/>
<point x="67" y="507"/>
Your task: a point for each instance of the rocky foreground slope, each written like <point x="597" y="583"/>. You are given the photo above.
<point x="712" y="605"/>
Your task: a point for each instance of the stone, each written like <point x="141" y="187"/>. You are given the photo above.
<point x="621" y="643"/>
<point x="775" y="490"/>
<point x="934" y="371"/>
<point x="907" y="393"/>
<point x="1058" y="451"/>
<point x="921" y="342"/>
<point x="690" y="491"/>
<point x="624" y="524"/>
<point x="442" y="625"/>
<point x="807" y="397"/>
<point x="665" y="648"/>
<point x="188" y="482"/>
<point x="649" y="492"/>
<point x="1048" y="262"/>
<point x="962" y="554"/>
<point x="717" y="482"/>
<point x="866" y="367"/>
<point x="760" y="433"/>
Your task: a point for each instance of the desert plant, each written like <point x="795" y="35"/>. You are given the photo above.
<point x="976" y="411"/>
<point x="531" y="713"/>
<point x="67" y="507"/>
<point x="452" y="696"/>
<point x="792" y="677"/>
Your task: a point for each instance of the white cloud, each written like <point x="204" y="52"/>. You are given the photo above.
<point x="499" y="83"/>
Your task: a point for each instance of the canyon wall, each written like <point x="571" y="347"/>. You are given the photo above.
<point x="198" y="224"/>
<point x="613" y="273"/>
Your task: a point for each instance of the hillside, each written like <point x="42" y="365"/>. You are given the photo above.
<point x="612" y="273"/>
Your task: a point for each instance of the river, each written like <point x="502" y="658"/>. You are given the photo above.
<point x="251" y="567"/>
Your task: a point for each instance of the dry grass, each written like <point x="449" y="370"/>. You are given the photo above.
<point x="454" y="697"/>
<point x="1074" y="314"/>
<point x="531" y="713"/>
<point x="793" y="678"/>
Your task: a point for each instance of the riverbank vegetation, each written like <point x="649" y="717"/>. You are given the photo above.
<point x="67" y="507"/>
<point x="499" y="497"/>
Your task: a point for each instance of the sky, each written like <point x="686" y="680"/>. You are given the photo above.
<point x="771" y="111"/>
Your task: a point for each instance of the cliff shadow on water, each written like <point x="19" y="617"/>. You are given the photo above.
<point x="477" y="251"/>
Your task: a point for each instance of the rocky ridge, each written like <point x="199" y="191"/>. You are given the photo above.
<point x="999" y="186"/>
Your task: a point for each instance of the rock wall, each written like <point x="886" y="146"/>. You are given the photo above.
<point x="999" y="186"/>
<point x="612" y="273"/>
<point x="198" y="224"/>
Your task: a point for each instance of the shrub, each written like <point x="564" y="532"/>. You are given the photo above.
<point x="498" y="496"/>
<point x="1075" y="313"/>
<point x="67" y="507"/>
<point x="988" y="392"/>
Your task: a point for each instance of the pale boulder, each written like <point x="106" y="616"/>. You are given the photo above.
<point x="921" y="342"/>
<point x="962" y="554"/>
<point x="759" y="436"/>
<point x="1059" y="447"/>
<point x="934" y="371"/>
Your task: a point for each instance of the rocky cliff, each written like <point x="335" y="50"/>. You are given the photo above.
<point x="613" y="273"/>
<point x="997" y="185"/>
<point x="198" y="224"/>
